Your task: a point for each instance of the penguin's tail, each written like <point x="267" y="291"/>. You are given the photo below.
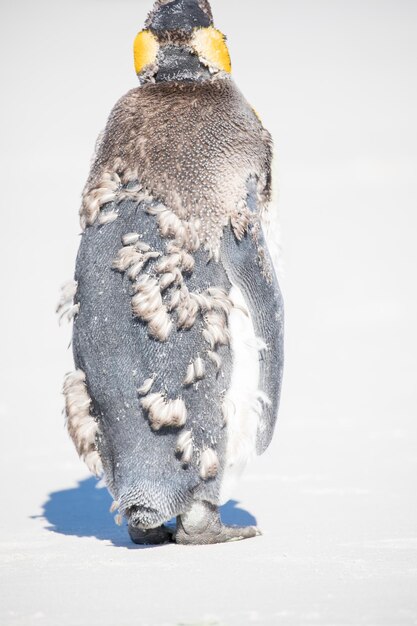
<point x="152" y="503"/>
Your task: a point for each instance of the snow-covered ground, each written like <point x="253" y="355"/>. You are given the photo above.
<point x="336" y="494"/>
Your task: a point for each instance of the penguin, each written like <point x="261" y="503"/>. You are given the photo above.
<point x="177" y="312"/>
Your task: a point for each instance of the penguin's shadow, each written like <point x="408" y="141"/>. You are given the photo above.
<point x="83" y="511"/>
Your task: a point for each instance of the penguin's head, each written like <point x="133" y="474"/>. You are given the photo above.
<point x="180" y="43"/>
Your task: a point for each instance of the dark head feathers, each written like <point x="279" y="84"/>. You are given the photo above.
<point x="179" y="15"/>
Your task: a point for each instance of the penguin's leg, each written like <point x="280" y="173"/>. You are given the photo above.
<point x="151" y="537"/>
<point x="202" y="525"/>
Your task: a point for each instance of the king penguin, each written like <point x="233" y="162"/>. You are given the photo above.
<point x="178" y="315"/>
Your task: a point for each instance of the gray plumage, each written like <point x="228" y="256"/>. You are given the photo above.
<point x="117" y="355"/>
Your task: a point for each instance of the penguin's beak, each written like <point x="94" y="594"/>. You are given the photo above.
<point x="179" y="15"/>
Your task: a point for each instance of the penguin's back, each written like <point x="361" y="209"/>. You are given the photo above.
<point x="128" y="363"/>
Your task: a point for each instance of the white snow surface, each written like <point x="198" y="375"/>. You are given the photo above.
<point x="335" y="495"/>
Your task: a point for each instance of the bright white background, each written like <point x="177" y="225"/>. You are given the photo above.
<point x="335" y="82"/>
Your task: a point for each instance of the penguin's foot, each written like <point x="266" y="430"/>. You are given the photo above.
<point x="224" y="534"/>
<point x="152" y="537"/>
<point x="201" y="525"/>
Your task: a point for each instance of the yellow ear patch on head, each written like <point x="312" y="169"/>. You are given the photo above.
<point x="145" y="50"/>
<point x="210" y="45"/>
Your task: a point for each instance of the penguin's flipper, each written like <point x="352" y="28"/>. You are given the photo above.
<point x="249" y="267"/>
